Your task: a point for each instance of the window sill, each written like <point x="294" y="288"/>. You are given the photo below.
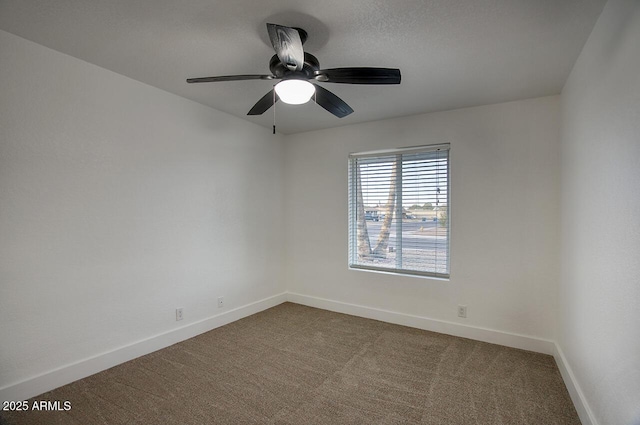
<point x="405" y="273"/>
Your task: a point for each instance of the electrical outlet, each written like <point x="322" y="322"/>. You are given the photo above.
<point x="220" y="302"/>
<point x="178" y="314"/>
<point x="462" y="311"/>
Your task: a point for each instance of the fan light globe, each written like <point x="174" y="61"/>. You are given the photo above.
<point x="294" y="92"/>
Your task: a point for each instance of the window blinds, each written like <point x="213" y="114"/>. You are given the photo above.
<point x="399" y="210"/>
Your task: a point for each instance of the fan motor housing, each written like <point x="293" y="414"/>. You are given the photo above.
<point x="310" y="66"/>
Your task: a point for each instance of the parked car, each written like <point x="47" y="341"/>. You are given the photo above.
<point x="370" y="216"/>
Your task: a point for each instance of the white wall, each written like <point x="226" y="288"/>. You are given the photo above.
<point x="599" y="321"/>
<point x="504" y="210"/>
<point x="118" y="203"/>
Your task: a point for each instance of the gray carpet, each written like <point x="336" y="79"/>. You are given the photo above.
<point x="293" y="364"/>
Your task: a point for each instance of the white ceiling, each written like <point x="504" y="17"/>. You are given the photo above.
<point x="452" y="53"/>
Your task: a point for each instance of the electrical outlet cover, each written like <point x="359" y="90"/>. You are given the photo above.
<point x="462" y="311"/>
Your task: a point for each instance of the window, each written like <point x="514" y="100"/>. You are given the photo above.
<point x="399" y="210"/>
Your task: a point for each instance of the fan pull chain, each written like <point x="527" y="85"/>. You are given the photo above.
<point x="274" y="111"/>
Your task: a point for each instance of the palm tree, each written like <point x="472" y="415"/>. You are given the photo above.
<point x="383" y="238"/>
<point x="364" y="245"/>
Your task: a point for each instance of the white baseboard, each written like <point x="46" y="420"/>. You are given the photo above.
<point x="69" y="373"/>
<point x="479" y="334"/>
<point x="577" y="396"/>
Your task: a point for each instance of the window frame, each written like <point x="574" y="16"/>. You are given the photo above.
<point x="352" y="209"/>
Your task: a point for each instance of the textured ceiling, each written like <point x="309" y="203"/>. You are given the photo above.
<point x="452" y="53"/>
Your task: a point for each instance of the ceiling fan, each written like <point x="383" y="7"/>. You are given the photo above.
<point x="295" y="68"/>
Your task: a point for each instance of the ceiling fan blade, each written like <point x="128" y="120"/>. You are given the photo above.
<point x="264" y="103"/>
<point x="359" y="75"/>
<point x="230" y="78"/>
<point x="287" y="43"/>
<point x="331" y="102"/>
